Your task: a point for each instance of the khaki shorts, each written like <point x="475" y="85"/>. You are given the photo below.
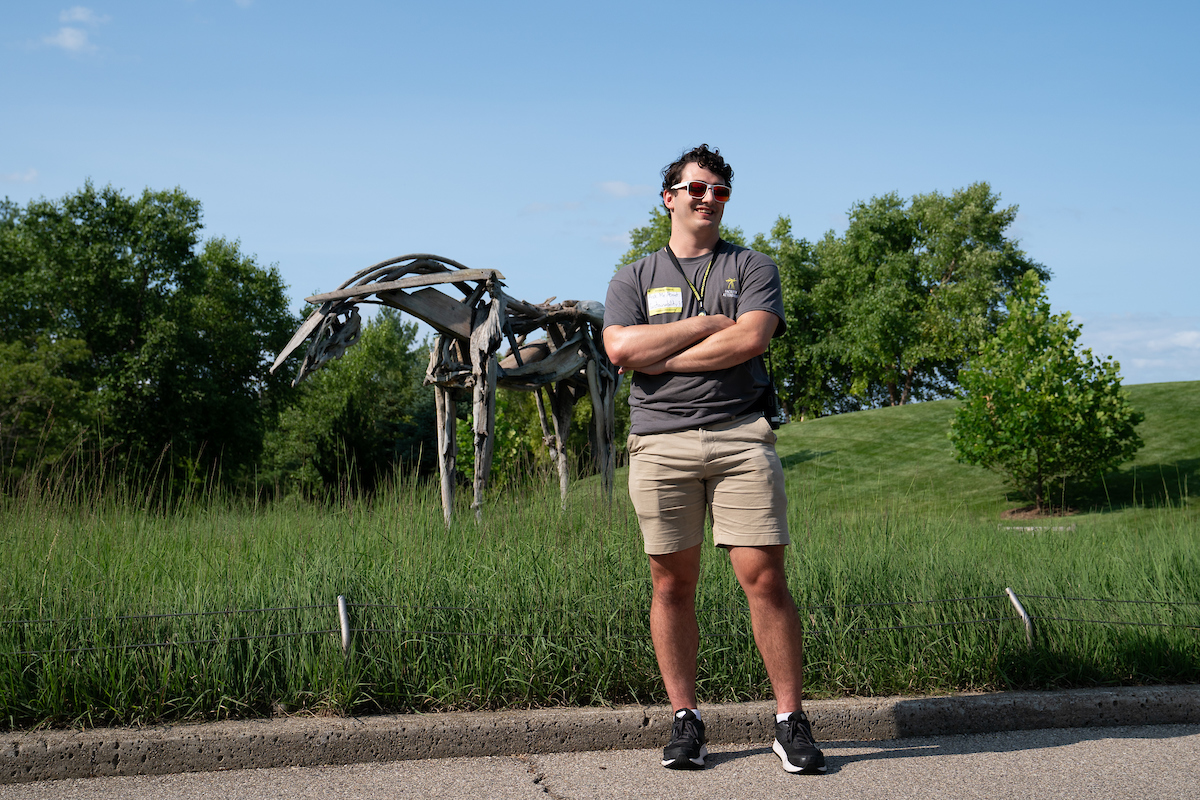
<point x="729" y="470"/>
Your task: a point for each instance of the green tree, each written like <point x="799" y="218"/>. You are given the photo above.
<point x="1037" y="408"/>
<point x="43" y="411"/>
<point x="359" y="418"/>
<point x="176" y="344"/>
<point x="912" y="290"/>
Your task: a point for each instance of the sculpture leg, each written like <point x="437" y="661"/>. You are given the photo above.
<point x="447" y="446"/>
<point x="601" y="390"/>
<point x="560" y="411"/>
<point x="487" y="331"/>
<point x="547" y="437"/>
<point x="612" y="381"/>
<point x="485" y="430"/>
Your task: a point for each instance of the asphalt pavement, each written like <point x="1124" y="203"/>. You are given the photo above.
<point x="1119" y="743"/>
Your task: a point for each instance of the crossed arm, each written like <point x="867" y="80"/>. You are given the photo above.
<point x="696" y="344"/>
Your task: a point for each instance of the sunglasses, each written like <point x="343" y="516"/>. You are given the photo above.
<point x="698" y="189"/>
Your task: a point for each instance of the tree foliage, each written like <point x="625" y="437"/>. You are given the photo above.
<point x="912" y="290"/>
<point x="1037" y="408"/>
<point x="117" y="323"/>
<point x="891" y="310"/>
<point x="42" y="410"/>
<point x="359" y="418"/>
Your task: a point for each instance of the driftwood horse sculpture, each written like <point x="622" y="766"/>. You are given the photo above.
<point x="569" y="361"/>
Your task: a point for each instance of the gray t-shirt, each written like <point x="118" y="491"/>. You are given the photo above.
<point x="651" y="291"/>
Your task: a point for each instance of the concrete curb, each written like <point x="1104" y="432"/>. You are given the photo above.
<point x="313" y="741"/>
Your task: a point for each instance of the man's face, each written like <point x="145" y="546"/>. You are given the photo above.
<point x="696" y="214"/>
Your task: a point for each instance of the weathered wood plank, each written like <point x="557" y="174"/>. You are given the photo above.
<point x="444" y="314"/>
<point x="411" y="282"/>
<point x="304" y="331"/>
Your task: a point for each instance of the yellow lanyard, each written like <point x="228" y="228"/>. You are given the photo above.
<point x="699" y="295"/>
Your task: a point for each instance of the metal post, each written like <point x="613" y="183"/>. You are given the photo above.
<point x="344" y="619"/>
<point x="1024" y="616"/>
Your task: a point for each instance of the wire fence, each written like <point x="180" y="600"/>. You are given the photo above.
<point x="340" y="612"/>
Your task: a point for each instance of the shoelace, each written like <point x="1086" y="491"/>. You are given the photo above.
<point x="795" y="727"/>
<point x="683" y="726"/>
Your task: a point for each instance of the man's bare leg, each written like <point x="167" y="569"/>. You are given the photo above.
<point x="778" y="631"/>
<point x="673" y="626"/>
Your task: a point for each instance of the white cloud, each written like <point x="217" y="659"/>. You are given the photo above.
<point x="73" y="40"/>
<point x="1150" y="349"/>
<point x="81" y="14"/>
<point x="1186" y="339"/>
<point x="28" y="176"/>
<point x="71" y="37"/>
<point x="623" y="189"/>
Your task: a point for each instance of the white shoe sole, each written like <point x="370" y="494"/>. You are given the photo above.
<point x="787" y="765"/>
<point x="697" y="763"/>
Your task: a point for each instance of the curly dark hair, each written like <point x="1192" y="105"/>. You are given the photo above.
<point x="709" y="159"/>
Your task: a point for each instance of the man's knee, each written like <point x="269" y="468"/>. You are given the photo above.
<point x="760" y="571"/>
<point x="674" y="576"/>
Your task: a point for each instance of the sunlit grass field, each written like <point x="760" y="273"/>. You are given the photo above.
<point x="116" y="611"/>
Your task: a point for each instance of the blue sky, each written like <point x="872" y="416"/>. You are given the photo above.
<point x="528" y="137"/>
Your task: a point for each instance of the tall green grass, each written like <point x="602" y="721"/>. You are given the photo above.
<point x="899" y="570"/>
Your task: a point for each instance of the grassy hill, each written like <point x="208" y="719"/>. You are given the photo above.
<point x="903" y="455"/>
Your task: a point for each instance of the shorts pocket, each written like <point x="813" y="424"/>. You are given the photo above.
<point x="763" y="431"/>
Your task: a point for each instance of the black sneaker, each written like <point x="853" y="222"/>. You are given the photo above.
<point x="686" y="749"/>
<point x="795" y="746"/>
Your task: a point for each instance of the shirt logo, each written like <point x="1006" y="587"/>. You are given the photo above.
<point x="667" y="300"/>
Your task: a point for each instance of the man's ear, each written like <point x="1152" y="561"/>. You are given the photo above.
<point x="669" y="200"/>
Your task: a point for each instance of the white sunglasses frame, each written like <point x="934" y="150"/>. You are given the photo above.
<point x="708" y="187"/>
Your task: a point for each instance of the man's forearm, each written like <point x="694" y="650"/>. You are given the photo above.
<point x="638" y="346"/>
<point x="722" y="350"/>
<point x="737" y="344"/>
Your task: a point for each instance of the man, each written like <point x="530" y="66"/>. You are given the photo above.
<point x="692" y="321"/>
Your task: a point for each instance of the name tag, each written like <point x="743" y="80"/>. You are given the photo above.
<point x="667" y="300"/>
